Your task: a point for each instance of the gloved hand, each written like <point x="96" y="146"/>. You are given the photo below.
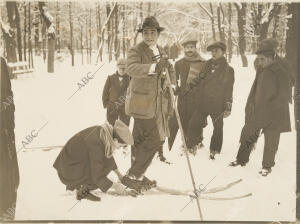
<point x="226" y="113"/>
<point x="161" y="65"/>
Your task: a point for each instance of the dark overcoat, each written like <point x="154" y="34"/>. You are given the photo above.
<point x="9" y="169"/>
<point x="267" y="104"/>
<point x="215" y="87"/>
<point x="82" y="161"/>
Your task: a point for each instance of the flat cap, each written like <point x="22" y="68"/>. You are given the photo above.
<point x="217" y="44"/>
<point x="121" y="61"/>
<point x="190" y="38"/>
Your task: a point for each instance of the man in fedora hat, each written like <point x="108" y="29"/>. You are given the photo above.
<point x="148" y="101"/>
<point x="187" y="70"/>
<point x="267" y="109"/>
<point x="114" y="93"/>
<point x="214" y="97"/>
<point x="85" y="161"/>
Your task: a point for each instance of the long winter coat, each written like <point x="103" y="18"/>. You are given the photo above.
<point x="215" y="88"/>
<point x="148" y="96"/>
<point x="267" y="104"/>
<point x="83" y="161"/>
<point x="9" y="170"/>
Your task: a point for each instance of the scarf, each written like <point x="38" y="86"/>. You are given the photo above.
<point x="106" y="135"/>
<point x="195" y="67"/>
<point x="196" y="57"/>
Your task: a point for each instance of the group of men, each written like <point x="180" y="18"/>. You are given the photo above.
<point x="141" y="89"/>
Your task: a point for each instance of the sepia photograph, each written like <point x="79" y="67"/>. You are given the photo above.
<point x="149" y="111"/>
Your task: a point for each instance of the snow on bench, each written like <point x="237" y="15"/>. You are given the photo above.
<point x="18" y="68"/>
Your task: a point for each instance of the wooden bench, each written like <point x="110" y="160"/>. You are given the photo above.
<point x="18" y="68"/>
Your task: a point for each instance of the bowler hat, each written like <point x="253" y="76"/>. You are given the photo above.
<point x="267" y="46"/>
<point x="122" y="133"/>
<point x="150" y="22"/>
<point x="217" y="44"/>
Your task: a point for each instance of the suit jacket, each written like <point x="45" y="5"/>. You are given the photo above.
<point x="148" y="95"/>
<point x="113" y="91"/>
<point x="82" y="160"/>
<point x="267" y="104"/>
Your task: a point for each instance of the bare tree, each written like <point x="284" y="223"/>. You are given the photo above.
<point x="241" y="11"/>
<point x="10" y="41"/>
<point x="48" y="19"/>
<point x="71" y="48"/>
<point x="229" y="41"/>
<point x="19" y="32"/>
<point x="211" y="16"/>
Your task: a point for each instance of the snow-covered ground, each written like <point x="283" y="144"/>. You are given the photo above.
<point x="42" y="101"/>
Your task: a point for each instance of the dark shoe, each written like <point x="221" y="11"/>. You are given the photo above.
<point x="132" y="183"/>
<point x="84" y="193"/>
<point x="161" y="157"/>
<point x="265" y="171"/>
<point x="236" y="163"/>
<point x="212" y="154"/>
<point x="148" y="184"/>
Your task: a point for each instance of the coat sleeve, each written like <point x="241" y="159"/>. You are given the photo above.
<point x="100" y="166"/>
<point x="135" y="68"/>
<point x="229" y="90"/>
<point x="282" y="92"/>
<point x="105" y="93"/>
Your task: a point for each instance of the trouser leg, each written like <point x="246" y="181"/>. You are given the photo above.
<point x="173" y="126"/>
<point x="249" y="137"/>
<point x="146" y="142"/>
<point x="111" y="115"/>
<point x="217" y="137"/>
<point x="195" y="128"/>
<point x="272" y="138"/>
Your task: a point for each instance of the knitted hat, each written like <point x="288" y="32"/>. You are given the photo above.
<point x="122" y="133"/>
<point x="267" y="46"/>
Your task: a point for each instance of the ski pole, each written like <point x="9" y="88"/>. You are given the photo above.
<point x="183" y="139"/>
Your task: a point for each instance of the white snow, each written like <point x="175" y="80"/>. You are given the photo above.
<point x="42" y="97"/>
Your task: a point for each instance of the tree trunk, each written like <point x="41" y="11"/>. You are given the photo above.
<point x="221" y="33"/>
<point x="71" y="33"/>
<point x="81" y="42"/>
<point x="19" y="32"/>
<point x="87" y="38"/>
<point x="51" y="35"/>
<point x="241" y="27"/>
<point x="90" y="32"/>
<point x="229" y="42"/>
<point x="108" y="30"/>
<point x="276" y="21"/>
<point x="30" y="59"/>
<point x="212" y="22"/>
<point x="116" y="44"/>
<point x="58" y="26"/>
<point x="25" y="31"/>
<point x="10" y="41"/>
<point x="36" y="23"/>
<point x="124" y="31"/>
<point x="149" y="8"/>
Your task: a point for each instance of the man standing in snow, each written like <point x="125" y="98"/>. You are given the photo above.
<point x="187" y="71"/>
<point x="267" y="109"/>
<point x="9" y="169"/>
<point x="87" y="158"/>
<point x="114" y="93"/>
<point x="148" y="101"/>
<point x="214" y="98"/>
